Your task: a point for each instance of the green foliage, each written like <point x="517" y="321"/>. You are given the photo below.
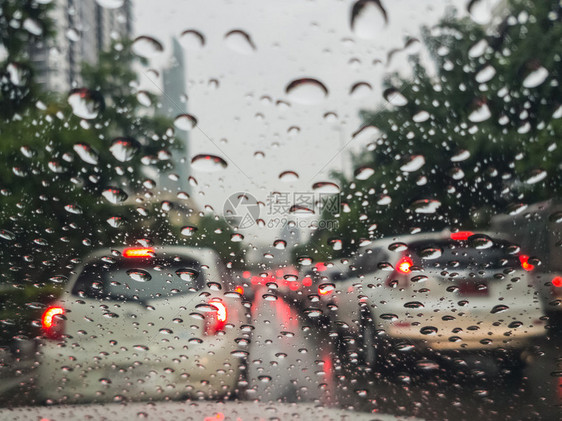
<point x="517" y="142"/>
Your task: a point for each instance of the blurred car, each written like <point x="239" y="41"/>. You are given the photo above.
<point x="439" y="292"/>
<point x="143" y="323"/>
<point x="538" y="231"/>
<point x="319" y="283"/>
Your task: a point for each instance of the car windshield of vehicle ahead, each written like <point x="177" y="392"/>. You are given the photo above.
<point x="298" y="209"/>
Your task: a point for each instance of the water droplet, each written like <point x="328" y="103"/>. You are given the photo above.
<point x="367" y="18"/>
<point x="535" y="78"/>
<point x="288" y="176"/>
<point x="143" y="97"/>
<point x="124" y="149"/>
<point x="336" y="243"/>
<point x="208" y="163"/>
<point x="555" y="217"/>
<point x="398" y="247"/>
<point x="324" y="289"/>
<point x="27" y="151"/>
<point x="185" y="122"/>
<point x="431" y="253"/>
<point x="499" y="308"/>
<point x="462" y="155"/>
<point x="7" y="235"/>
<point x="33" y="27"/>
<point x="115" y="221"/>
<point x="18" y="74"/>
<point x="110" y="4"/>
<point x="188" y="230"/>
<point x="236" y="238"/>
<point x="280" y="244"/>
<point x="305" y="261"/>
<point x="389" y="316"/>
<point x="86" y="153"/>
<point x="75" y="209"/>
<point x="394" y="97"/>
<point x="239" y="41"/>
<point x="413" y="304"/>
<point x="187" y="274"/>
<point x="147" y="47"/>
<point x="140" y="347"/>
<point x="414" y="163"/>
<point x="85" y="103"/>
<point x="360" y="90"/>
<point x="480" y="241"/>
<point x="425" y="206"/>
<point x="456" y="173"/>
<point x="485" y="75"/>
<point x="428" y="330"/>
<point x="114" y="195"/>
<point x="480" y="114"/>
<point x="306" y="91"/>
<point x="363" y="173"/>
<point x="300" y="210"/>
<point x="478" y="49"/>
<point x="191" y="39"/>
<point x="536" y="176"/>
<point x="361" y="392"/>
<point x="421" y="116"/>
<point x="326" y="187"/>
<point x="139" y="275"/>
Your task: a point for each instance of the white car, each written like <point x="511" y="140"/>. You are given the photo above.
<point x="143" y="323"/>
<point x="439" y="292"/>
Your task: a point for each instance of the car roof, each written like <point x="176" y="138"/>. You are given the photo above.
<point x="427" y="236"/>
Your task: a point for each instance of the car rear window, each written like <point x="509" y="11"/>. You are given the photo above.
<point x="461" y="255"/>
<point x="139" y="280"/>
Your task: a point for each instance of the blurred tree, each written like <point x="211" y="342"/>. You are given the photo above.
<point x="477" y="138"/>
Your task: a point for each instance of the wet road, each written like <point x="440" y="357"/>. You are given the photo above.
<point x="292" y="359"/>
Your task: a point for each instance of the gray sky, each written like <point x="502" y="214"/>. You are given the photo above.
<point x="293" y="39"/>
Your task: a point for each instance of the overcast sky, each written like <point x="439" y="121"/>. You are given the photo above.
<point x="237" y="90"/>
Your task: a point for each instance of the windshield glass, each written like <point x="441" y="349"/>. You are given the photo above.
<point x="340" y="209"/>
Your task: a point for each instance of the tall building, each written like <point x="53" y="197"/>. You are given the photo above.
<point x="84" y="28"/>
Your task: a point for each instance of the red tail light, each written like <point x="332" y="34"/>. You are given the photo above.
<point x="557" y="281"/>
<point x="52" y="322"/>
<point x="215" y="321"/>
<point x="139" y="252"/>
<point x="461" y="235"/>
<point x="525" y="263"/>
<point x="404" y="265"/>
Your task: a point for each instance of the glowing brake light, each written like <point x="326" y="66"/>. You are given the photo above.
<point x="525" y="263"/>
<point x="139" y="252"/>
<point x="461" y="235"/>
<point x="404" y="265"/>
<point x="557" y="281"/>
<point x="216" y="321"/>
<point x="53" y="326"/>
